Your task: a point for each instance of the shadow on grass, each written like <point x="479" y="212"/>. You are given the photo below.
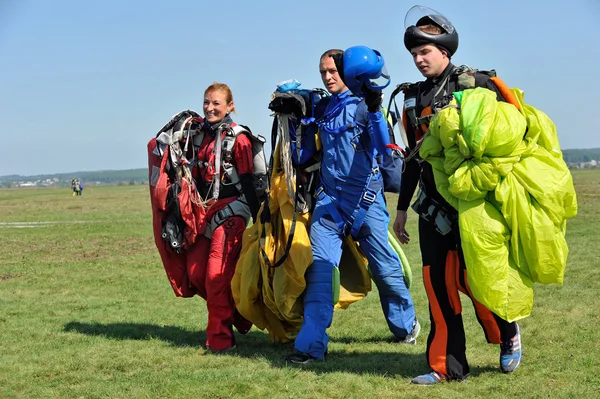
<point x="352" y="340"/>
<point x="138" y="331"/>
<point x="385" y="361"/>
<point x="478" y="370"/>
<point x="387" y="364"/>
<point x="389" y="359"/>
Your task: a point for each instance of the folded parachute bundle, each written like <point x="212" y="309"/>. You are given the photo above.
<point x="177" y="216"/>
<point x="500" y="165"/>
<point x="269" y="278"/>
<point x="179" y="213"/>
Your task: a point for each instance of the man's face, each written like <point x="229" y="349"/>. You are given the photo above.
<point x="430" y="60"/>
<point x="330" y="76"/>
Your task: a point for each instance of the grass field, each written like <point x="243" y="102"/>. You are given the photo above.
<point x="87" y="312"/>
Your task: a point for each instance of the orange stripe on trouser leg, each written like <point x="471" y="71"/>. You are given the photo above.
<point x="487" y="318"/>
<point x="452" y="267"/>
<point x="437" y="349"/>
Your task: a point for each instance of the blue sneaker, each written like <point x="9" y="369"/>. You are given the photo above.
<point x="510" y="353"/>
<point x="430" y="378"/>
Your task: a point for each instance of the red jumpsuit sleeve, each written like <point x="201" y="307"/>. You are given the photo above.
<point x="242" y="152"/>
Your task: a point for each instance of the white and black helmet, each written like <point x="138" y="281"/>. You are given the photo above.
<point x="414" y="37"/>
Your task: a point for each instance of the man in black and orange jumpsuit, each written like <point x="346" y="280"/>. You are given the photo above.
<point x="432" y="40"/>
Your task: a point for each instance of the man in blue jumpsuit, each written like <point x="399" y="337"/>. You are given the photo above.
<point x="350" y="201"/>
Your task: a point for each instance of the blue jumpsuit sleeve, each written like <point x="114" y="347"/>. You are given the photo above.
<point x="378" y="130"/>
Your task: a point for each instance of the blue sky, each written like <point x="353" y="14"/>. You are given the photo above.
<point x="85" y="84"/>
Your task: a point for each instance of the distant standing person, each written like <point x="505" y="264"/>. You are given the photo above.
<point x="75" y="187"/>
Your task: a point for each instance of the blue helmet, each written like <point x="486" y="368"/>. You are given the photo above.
<point x="364" y="69"/>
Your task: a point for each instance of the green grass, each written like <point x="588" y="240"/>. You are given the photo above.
<point x="87" y="312"/>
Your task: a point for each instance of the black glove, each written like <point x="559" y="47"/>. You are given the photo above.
<point x="373" y="99"/>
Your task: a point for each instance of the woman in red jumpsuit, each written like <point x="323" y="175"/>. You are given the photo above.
<point x="214" y="256"/>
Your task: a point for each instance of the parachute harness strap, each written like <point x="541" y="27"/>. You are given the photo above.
<point x="184" y="165"/>
<point x="434" y="110"/>
<point x="215" y="185"/>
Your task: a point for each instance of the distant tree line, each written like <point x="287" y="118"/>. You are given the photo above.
<point x="103" y="177"/>
<point x="581" y="155"/>
<point x="140" y="176"/>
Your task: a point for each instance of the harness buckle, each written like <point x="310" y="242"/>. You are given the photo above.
<point x="370" y="196"/>
<point x="424" y="120"/>
<point x="318" y="192"/>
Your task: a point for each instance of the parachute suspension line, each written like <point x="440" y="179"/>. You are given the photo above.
<point x="205" y="202"/>
<point x="184" y="172"/>
<point x="187" y="136"/>
<point x="286" y="160"/>
<point x="283" y="132"/>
